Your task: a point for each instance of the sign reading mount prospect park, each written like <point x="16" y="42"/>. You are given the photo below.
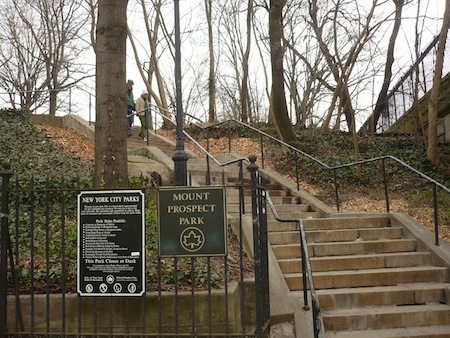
<point x="192" y="221"/>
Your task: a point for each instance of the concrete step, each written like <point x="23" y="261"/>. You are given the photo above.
<point x="370" y="277"/>
<point x="233" y="198"/>
<point x="326" y="236"/>
<point x="358" y="262"/>
<point x="393" y="295"/>
<point x="435" y="331"/>
<point x="386" y="317"/>
<point x="276" y="226"/>
<point x="346" y="248"/>
<point x="287" y="198"/>
<point x="215" y="171"/>
<point x="294" y="214"/>
<point x="346" y="223"/>
<point x="294" y="206"/>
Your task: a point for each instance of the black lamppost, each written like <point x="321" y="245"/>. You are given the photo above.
<point x="179" y="157"/>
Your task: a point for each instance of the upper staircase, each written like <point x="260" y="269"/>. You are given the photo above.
<point x="372" y="277"/>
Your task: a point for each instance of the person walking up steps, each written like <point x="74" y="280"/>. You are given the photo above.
<point x="142" y="111"/>
<point x="130" y="103"/>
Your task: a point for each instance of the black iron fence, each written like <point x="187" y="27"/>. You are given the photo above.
<point x="185" y="296"/>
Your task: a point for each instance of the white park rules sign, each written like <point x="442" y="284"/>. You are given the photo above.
<point x="111" y="243"/>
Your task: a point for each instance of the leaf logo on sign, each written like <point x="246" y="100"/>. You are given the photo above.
<point x="192" y="239"/>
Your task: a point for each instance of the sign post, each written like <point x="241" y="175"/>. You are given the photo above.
<point x="192" y="221"/>
<point x="111" y="243"/>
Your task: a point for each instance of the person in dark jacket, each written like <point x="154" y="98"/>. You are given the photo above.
<point x="130" y="103"/>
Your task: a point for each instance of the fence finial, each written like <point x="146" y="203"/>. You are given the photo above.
<point x="252" y="166"/>
<point x="6" y="170"/>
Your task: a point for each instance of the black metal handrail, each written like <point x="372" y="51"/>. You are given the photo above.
<point x="334" y="169"/>
<point x="306" y="265"/>
<point x="306" y="270"/>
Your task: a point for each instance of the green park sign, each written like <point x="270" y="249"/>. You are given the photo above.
<point x="192" y="221"/>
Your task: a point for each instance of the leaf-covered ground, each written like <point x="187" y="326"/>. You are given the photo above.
<point x="407" y="192"/>
<point x="410" y="195"/>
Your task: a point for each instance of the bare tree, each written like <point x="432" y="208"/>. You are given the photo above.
<point x="212" y="64"/>
<point x="306" y="71"/>
<point x="279" y="109"/>
<point x="245" y="64"/>
<point x="349" y="31"/>
<point x="21" y="71"/>
<point x="55" y="28"/>
<point x="382" y="95"/>
<point x="233" y="55"/>
<point x="432" y="149"/>
<point x="159" y="42"/>
<point x="92" y="6"/>
<point x="111" y="108"/>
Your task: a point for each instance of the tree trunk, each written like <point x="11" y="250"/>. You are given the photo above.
<point x="212" y="64"/>
<point x="432" y="150"/>
<point x="382" y="96"/>
<point x="52" y="103"/>
<point x="111" y="108"/>
<point x="244" y="87"/>
<point x="278" y="104"/>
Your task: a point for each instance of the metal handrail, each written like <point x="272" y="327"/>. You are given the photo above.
<point x="198" y="145"/>
<point x="334" y="169"/>
<point x="306" y="270"/>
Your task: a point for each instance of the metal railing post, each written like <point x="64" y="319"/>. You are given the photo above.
<point x="208" y="169"/>
<point x="386" y="194"/>
<point x="296" y="172"/>
<point x="336" y="189"/>
<point x="304" y="270"/>
<point x="262" y="150"/>
<point x="6" y="174"/>
<point x="436" y="221"/>
<point x="229" y="137"/>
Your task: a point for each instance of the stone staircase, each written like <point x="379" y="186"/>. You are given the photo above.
<point x="372" y="280"/>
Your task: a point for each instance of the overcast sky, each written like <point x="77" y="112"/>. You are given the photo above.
<point x="193" y="10"/>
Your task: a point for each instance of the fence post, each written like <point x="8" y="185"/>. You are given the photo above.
<point x="336" y="189"/>
<point x="253" y="169"/>
<point x="6" y="174"/>
<point x="260" y="251"/>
